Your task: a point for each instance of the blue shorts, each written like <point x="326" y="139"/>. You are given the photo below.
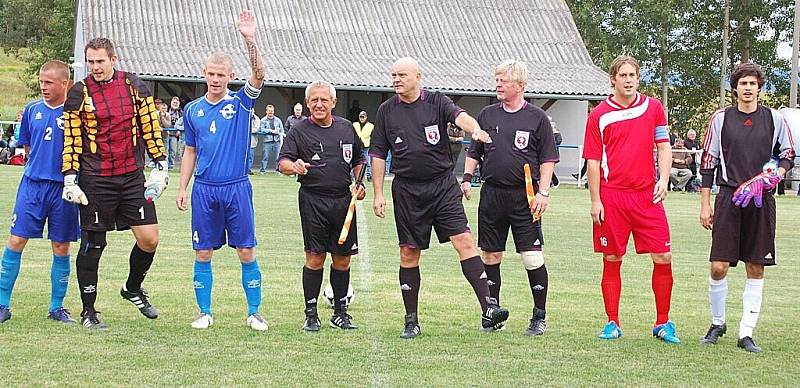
<point x="220" y="210"/>
<point x="39" y="201"/>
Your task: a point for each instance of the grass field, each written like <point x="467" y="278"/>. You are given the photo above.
<point x="13" y="93"/>
<point x="451" y="351"/>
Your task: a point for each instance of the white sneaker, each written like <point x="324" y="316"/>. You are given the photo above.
<point x="257" y="322"/>
<point x="203" y="321"/>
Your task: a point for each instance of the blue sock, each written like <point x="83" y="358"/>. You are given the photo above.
<point x="59" y="280"/>
<point x="8" y="275"/>
<point x="251" y="282"/>
<point x="203" y="281"/>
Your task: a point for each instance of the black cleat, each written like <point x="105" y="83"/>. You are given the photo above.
<point x="342" y="320"/>
<point x="748" y="344"/>
<point x="538" y="323"/>
<point x="411" y="329"/>
<point x="312" y="320"/>
<point x="91" y="321"/>
<point x="140" y="300"/>
<point x="493" y="315"/>
<point x="714" y="332"/>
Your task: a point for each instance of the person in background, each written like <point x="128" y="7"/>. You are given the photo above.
<point x="364" y="130"/>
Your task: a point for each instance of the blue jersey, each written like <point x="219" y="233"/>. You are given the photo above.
<point x="220" y="133"/>
<point x="42" y="129"/>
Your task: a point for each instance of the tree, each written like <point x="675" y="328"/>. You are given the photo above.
<point x="37" y="36"/>
<point x="678" y="43"/>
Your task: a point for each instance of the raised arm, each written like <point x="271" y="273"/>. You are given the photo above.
<point x="247" y="27"/>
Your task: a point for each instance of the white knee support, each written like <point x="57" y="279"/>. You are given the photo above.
<point x="532" y="259"/>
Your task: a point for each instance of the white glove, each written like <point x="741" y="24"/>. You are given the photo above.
<point x="72" y="192"/>
<point x="157" y="182"/>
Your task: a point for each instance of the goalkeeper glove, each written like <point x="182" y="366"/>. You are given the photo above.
<point x="72" y="192"/>
<point x="157" y="182"/>
<point x="755" y="187"/>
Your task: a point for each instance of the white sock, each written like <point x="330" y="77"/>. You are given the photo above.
<point x="717" y="297"/>
<point x="751" y="306"/>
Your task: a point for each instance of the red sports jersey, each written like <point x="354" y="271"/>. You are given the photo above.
<point x="622" y="139"/>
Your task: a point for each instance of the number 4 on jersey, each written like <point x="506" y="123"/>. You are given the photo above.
<point x="213" y="127"/>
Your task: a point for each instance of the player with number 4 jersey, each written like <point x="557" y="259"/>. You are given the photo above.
<point x="39" y="194"/>
<point x="217" y="128"/>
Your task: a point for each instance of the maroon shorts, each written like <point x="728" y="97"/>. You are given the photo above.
<point x="631" y="212"/>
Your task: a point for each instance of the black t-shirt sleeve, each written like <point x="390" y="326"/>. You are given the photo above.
<point x="545" y="139"/>
<point x="476" y="149"/>
<point x="448" y="110"/>
<point x="378" y="144"/>
<point x="358" y="148"/>
<point x="289" y="149"/>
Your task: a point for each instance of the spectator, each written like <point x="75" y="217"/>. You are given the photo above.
<point x="11" y="134"/>
<point x="271" y="130"/>
<point x="295" y="118"/>
<point x="680" y="174"/>
<point x="558" y="139"/>
<point x="691" y="143"/>
<point x="173" y="141"/>
<point x="364" y="131"/>
<point x="255" y="125"/>
<point x="456" y="136"/>
<point x="167" y="130"/>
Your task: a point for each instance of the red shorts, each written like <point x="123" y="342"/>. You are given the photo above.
<point x="627" y="212"/>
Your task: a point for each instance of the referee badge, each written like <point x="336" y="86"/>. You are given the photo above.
<point x="521" y="139"/>
<point x="432" y="134"/>
<point x="347" y="152"/>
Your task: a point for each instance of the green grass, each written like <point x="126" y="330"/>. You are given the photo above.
<point x="451" y="351"/>
<point x="13" y="92"/>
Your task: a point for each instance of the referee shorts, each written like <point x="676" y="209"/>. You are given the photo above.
<point x="501" y="208"/>
<point x="420" y="205"/>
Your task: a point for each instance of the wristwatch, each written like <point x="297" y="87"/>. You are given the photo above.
<point x="544" y="193"/>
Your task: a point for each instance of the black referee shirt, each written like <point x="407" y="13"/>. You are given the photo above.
<point x="520" y="137"/>
<point x="416" y="133"/>
<point x="332" y="153"/>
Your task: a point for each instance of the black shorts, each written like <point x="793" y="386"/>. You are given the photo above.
<point x="115" y="202"/>
<point x="503" y="207"/>
<point x="743" y="234"/>
<point x="420" y="205"/>
<point x="322" y="218"/>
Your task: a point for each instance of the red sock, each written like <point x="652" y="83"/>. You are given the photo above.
<point x="662" y="289"/>
<point x="612" y="288"/>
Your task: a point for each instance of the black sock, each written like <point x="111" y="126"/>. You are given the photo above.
<point x="494" y="280"/>
<point x="473" y="270"/>
<point x="537" y="278"/>
<point x="312" y="282"/>
<point x="340" y="280"/>
<point x="86" y="264"/>
<point x="140" y="262"/>
<point x="409" y="286"/>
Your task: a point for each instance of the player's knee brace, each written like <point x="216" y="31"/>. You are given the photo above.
<point x="532" y="259"/>
<point x="92" y="246"/>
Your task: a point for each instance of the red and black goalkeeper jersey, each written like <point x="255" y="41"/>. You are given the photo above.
<point x="108" y="126"/>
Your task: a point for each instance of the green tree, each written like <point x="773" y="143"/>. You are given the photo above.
<point x="36" y="36"/>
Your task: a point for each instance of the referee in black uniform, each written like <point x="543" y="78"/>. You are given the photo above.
<point x="748" y="146"/>
<point x="413" y="126"/>
<point x="323" y="150"/>
<point x="521" y="133"/>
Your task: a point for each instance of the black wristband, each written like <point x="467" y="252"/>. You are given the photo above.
<point x="466" y="178"/>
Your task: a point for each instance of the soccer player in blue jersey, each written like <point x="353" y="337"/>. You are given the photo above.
<point x="39" y="193"/>
<point x="217" y="130"/>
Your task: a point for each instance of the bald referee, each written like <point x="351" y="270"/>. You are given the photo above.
<point x="413" y="126"/>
